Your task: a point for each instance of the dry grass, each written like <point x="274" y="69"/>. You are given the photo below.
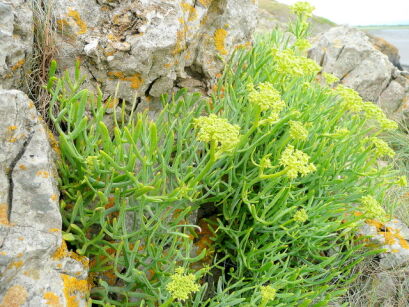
<point x="44" y="50"/>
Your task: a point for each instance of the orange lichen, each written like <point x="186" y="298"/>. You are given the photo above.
<point x="4" y="215"/>
<point x="390" y="234"/>
<point x="190" y="10"/>
<point x="19" y="255"/>
<point x="43" y="174"/>
<point x="72" y="288"/>
<point x="61" y="23"/>
<point x="243" y="46"/>
<point x="15" y="264"/>
<point x="22" y="167"/>
<point x="15" y="296"/>
<point x="180" y="42"/>
<point x="11" y="128"/>
<point x="11" y="140"/>
<point x="54" y="230"/>
<point x="168" y="65"/>
<point x="62" y="252"/>
<point x="52" y="299"/>
<point x="112" y="37"/>
<point x="135" y="80"/>
<point x="219" y="41"/>
<point x="53" y="142"/>
<point x="54" y="197"/>
<point x="18" y="65"/>
<point x="77" y="19"/>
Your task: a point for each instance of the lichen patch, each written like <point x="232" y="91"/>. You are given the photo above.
<point x="220" y="41"/>
<point x="15" y="296"/>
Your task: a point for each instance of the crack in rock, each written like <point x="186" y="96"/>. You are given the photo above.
<point x="10" y="174"/>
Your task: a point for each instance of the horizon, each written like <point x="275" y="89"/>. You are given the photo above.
<point x="394" y="12"/>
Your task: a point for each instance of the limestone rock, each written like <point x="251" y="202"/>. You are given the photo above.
<point x="16" y="37"/>
<point x="386" y="48"/>
<point x="393" y="236"/>
<point x="148" y="45"/>
<point x="349" y="54"/>
<point x="35" y="266"/>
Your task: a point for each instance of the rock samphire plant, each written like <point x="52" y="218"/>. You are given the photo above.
<point x="288" y="161"/>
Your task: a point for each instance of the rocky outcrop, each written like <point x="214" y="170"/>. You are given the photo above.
<point x="35" y="266"/>
<point x="386" y="48"/>
<point x="16" y="41"/>
<point x="150" y="46"/>
<point x="348" y="54"/>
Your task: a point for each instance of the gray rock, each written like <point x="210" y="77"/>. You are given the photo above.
<point x="350" y="55"/>
<point x="393" y="236"/>
<point x="35" y="266"/>
<point x="146" y="45"/>
<point x="16" y="37"/>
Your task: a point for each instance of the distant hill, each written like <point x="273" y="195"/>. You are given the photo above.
<point x="273" y="13"/>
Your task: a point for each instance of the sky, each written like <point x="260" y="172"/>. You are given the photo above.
<point x="361" y="12"/>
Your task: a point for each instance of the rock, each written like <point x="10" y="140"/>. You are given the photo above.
<point x="349" y="54"/>
<point x="386" y="48"/>
<point x="393" y="236"/>
<point x="146" y="45"/>
<point x="35" y="266"/>
<point x="16" y="37"/>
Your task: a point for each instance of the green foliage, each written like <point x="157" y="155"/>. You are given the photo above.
<point x="285" y="160"/>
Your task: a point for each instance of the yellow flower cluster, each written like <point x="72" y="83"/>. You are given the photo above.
<point x="381" y="148"/>
<point x="350" y="98"/>
<point x="215" y="129"/>
<point x="353" y="102"/>
<point x="302" y="8"/>
<point x="298" y="131"/>
<point x="302" y="44"/>
<point x="330" y="78"/>
<point x="402" y="181"/>
<point x="182" y="285"/>
<point x="268" y="293"/>
<point x="372" y="208"/>
<point x="296" y="162"/>
<point x="265" y="162"/>
<point x="301" y="216"/>
<point x="288" y="63"/>
<point x="372" y="111"/>
<point x="266" y="97"/>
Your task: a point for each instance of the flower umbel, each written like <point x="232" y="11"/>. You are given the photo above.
<point x="296" y="162"/>
<point x="182" y="285"/>
<point x="372" y="208"/>
<point x="288" y="63"/>
<point x="302" y="44"/>
<point x="302" y="8"/>
<point x="266" y="97"/>
<point x="351" y="100"/>
<point x="402" y="181"/>
<point x="268" y="293"/>
<point x="301" y="216"/>
<point x="381" y="147"/>
<point x="298" y="131"/>
<point x="330" y="78"/>
<point x="215" y="129"/>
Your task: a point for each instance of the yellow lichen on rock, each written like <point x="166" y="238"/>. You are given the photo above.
<point x="135" y="80"/>
<point x="220" y="40"/>
<point x="52" y="299"/>
<point x="190" y="10"/>
<point x="74" y="287"/>
<point x="77" y="19"/>
<point x="205" y="3"/>
<point x="4" y="215"/>
<point x="15" y="296"/>
<point x="18" y="65"/>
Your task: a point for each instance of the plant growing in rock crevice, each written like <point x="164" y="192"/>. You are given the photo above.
<point x="284" y="159"/>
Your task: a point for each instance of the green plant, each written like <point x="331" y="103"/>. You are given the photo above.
<point x="288" y="162"/>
